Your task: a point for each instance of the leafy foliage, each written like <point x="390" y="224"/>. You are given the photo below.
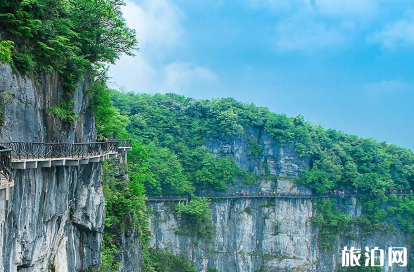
<point x="124" y="207"/>
<point x="196" y="216"/>
<point x="78" y="37"/>
<point x="64" y="111"/>
<point x="168" y="172"/>
<point x="403" y="209"/>
<point x="176" y="128"/>
<point x="109" y="251"/>
<point x="5" y="51"/>
<point x="254" y="147"/>
<point x="166" y="262"/>
<point x="109" y="122"/>
<point x="337" y="160"/>
<point x="173" y="129"/>
<point x="318" y="180"/>
<point x="73" y="34"/>
<point x="125" y="210"/>
<point x="330" y="221"/>
<point x="174" y="133"/>
<point x="217" y="173"/>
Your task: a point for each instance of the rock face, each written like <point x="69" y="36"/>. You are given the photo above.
<point x="255" y="234"/>
<point x="274" y="159"/>
<point x="262" y="234"/>
<point x="55" y="216"/>
<point x="24" y="110"/>
<point x="53" y="220"/>
<point x="130" y="253"/>
<point x="249" y="235"/>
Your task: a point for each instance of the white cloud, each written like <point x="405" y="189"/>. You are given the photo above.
<point x="159" y="30"/>
<point x="141" y="75"/>
<point x="309" y="25"/>
<point x="276" y="5"/>
<point x="359" y="8"/>
<point x="396" y="34"/>
<point x="157" y="22"/>
<point x="182" y="77"/>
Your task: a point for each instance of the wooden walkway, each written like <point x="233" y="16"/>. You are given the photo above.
<point x="270" y="196"/>
<point x="22" y="155"/>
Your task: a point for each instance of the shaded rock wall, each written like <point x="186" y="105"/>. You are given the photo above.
<point x="55" y="216"/>
<point x="130" y="251"/>
<point x="53" y="220"/>
<point x="24" y="110"/>
<point x="276" y="159"/>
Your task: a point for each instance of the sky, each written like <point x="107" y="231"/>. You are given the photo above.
<point x="344" y="64"/>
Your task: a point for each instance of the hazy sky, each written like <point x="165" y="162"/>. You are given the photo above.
<point x="347" y="64"/>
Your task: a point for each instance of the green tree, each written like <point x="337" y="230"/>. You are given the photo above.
<point x="79" y="38"/>
<point x="168" y="172"/>
<point x="166" y="262"/>
<point x="196" y="216"/>
<point x="317" y="180"/>
<point x="109" y="121"/>
<point x="217" y="173"/>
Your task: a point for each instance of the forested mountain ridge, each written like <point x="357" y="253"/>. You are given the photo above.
<point x="178" y="127"/>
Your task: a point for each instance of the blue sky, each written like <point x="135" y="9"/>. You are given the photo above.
<point x="346" y="64"/>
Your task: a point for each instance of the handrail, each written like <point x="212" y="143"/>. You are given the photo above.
<point x="124" y="143"/>
<point x="23" y="150"/>
<point x="272" y="195"/>
<point x="5" y="163"/>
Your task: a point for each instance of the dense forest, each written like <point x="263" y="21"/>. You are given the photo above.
<point x="173" y="129"/>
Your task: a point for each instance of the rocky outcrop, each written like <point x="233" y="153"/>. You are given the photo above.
<point x="274" y="159"/>
<point x="55" y="216"/>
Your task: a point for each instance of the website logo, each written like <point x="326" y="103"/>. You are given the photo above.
<point x="374" y="257"/>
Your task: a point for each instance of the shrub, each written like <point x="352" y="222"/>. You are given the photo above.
<point x="6" y="48"/>
<point x="196" y="217"/>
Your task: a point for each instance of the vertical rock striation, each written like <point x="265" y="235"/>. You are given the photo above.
<point x="249" y="234"/>
<point x="273" y="235"/>
<point x="55" y="216"/>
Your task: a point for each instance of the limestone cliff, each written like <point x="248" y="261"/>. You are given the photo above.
<point x="261" y="234"/>
<point x="55" y="216"/>
<point x="24" y="110"/>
